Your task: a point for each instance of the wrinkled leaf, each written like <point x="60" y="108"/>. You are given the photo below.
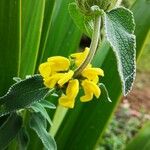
<point x="119" y="28"/>
<point x="84" y="23"/>
<point x="23" y="94"/>
<point x="47" y="104"/>
<point x="90" y="120"/>
<point x="36" y="123"/>
<point x="37" y="107"/>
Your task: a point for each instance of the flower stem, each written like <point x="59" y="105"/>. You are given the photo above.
<point x="93" y="46"/>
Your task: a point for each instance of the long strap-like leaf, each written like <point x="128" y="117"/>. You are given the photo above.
<point x="9" y="42"/>
<point x="83" y="126"/>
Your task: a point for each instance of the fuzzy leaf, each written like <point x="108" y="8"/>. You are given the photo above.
<point x="37" y="107"/>
<point x="9" y="130"/>
<point x="23" y="94"/>
<point x="119" y="28"/>
<point x="37" y="124"/>
<point x="84" y="23"/>
<point x="47" y="104"/>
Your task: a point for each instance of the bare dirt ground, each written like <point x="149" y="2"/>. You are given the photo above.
<point x="139" y="98"/>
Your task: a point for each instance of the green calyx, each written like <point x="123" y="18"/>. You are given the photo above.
<point x="86" y="6"/>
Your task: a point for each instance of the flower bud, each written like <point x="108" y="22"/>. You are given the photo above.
<point x="86" y="5"/>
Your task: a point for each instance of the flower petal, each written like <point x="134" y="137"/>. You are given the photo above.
<point x="68" y="100"/>
<point x="96" y="71"/>
<point x="51" y="81"/>
<point x="90" y="89"/>
<point x="87" y="97"/>
<point x="59" y="63"/>
<point x="66" y="78"/>
<point x="80" y="57"/>
<point x="45" y="69"/>
<point x="92" y="74"/>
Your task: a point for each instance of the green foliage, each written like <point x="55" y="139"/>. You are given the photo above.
<point x="23" y="94"/>
<point x="83" y="22"/>
<point x="9" y="129"/>
<point x="119" y="27"/>
<point x="58" y="40"/>
<point x="143" y="63"/>
<point x="37" y="124"/>
<point x="31" y="34"/>
<point x="141" y="140"/>
<point x="90" y="119"/>
<point x="37" y="107"/>
<point x="122" y="128"/>
<point x="10" y="42"/>
<point x="47" y="104"/>
<point x="38" y="39"/>
<point x="23" y="139"/>
<point x="48" y="30"/>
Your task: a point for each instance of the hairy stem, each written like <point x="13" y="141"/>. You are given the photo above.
<point x="93" y="46"/>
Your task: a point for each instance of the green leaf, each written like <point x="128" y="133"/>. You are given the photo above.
<point x="23" y="139"/>
<point x="58" y="40"/>
<point x="10" y="42"/>
<point x="49" y="7"/>
<point x="84" y="23"/>
<point x="119" y="27"/>
<point x="47" y="104"/>
<point x="37" y="107"/>
<point x="9" y="130"/>
<point x="91" y="119"/>
<point x="104" y="91"/>
<point x="32" y="21"/>
<point x="16" y="79"/>
<point x="36" y="123"/>
<point x="23" y="94"/>
<point x="142" y="26"/>
<point x="142" y="140"/>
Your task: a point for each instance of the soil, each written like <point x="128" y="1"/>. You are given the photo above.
<point x="139" y="98"/>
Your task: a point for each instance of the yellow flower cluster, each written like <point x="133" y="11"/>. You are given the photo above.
<point x="57" y="71"/>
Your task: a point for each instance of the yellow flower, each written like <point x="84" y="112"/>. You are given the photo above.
<point x="45" y="70"/>
<point x="66" y="78"/>
<point x="68" y="100"/>
<point x="59" y="63"/>
<point x="92" y="74"/>
<point x="56" y="72"/>
<point x="90" y="89"/>
<point x="60" y="78"/>
<point x="80" y="57"/>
